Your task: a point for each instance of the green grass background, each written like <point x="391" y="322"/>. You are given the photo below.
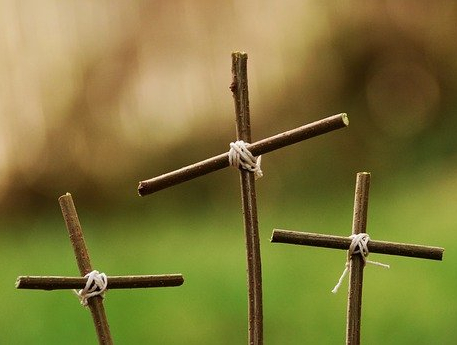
<point x="412" y="303"/>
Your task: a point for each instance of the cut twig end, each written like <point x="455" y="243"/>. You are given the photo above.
<point x="345" y="119"/>
<point x="17" y="284"/>
<point x="273" y="237"/>
<point x="180" y="279"/>
<point x="439" y="254"/>
<point x="141" y="189"/>
<point x="66" y="195"/>
<point x="239" y="53"/>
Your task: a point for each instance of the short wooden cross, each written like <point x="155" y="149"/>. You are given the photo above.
<point x="357" y="262"/>
<point x="94" y="303"/>
<point x="239" y="88"/>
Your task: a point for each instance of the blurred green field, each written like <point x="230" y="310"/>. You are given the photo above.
<point x="412" y="303"/>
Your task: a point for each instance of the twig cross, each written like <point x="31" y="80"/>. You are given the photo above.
<point x="94" y="303"/>
<point x="239" y="88"/>
<point x="357" y="262"/>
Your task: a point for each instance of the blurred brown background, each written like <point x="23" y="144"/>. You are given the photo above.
<point x="95" y="96"/>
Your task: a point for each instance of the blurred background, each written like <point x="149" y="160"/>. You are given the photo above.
<point x="96" y="96"/>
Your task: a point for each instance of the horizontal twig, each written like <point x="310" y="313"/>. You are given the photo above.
<point x="114" y="282"/>
<point x="339" y="242"/>
<point x="258" y="148"/>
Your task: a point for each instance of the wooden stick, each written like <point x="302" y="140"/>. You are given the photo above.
<point x="258" y="148"/>
<point x="82" y="257"/>
<point x="359" y="225"/>
<point x="340" y="242"/>
<point x="114" y="282"/>
<point x="239" y="88"/>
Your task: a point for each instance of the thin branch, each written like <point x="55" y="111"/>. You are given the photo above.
<point x="359" y="225"/>
<point x="82" y="257"/>
<point x="114" y="282"/>
<point x="340" y="242"/>
<point x="258" y="148"/>
<point x="239" y="88"/>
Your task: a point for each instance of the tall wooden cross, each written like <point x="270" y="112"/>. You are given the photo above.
<point x="239" y="88"/>
<point x="357" y="262"/>
<point x="94" y="303"/>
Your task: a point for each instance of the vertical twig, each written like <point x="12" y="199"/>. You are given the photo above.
<point x="359" y="224"/>
<point x="239" y="87"/>
<point x="82" y="257"/>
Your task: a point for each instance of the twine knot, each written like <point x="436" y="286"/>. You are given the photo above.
<point x="95" y="286"/>
<point x="359" y="245"/>
<point x="241" y="157"/>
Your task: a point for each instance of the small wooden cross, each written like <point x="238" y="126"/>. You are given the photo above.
<point x="239" y="88"/>
<point x="94" y="303"/>
<point x="357" y="261"/>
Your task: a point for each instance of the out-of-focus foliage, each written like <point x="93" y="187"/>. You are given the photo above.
<point x="95" y="96"/>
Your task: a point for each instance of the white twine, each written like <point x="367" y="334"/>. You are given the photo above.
<point x="359" y="245"/>
<point x="95" y="286"/>
<point x="241" y="157"/>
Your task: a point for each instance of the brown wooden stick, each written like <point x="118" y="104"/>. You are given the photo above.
<point x="258" y="148"/>
<point x="114" y="282"/>
<point x="239" y="88"/>
<point x="82" y="257"/>
<point x="359" y="225"/>
<point x="340" y="242"/>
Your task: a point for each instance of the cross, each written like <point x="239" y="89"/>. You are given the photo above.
<point x="94" y="303"/>
<point x="239" y="88"/>
<point x="357" y="262"/>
